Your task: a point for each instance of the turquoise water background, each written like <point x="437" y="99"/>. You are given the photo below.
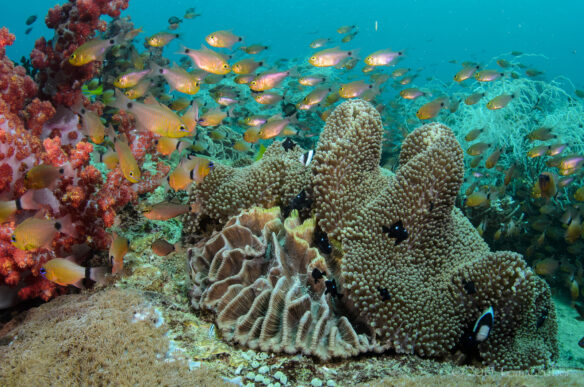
<point x="432" y="32"/>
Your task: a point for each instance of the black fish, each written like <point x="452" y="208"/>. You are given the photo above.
<point x="581" y="342"/>
<point x="469" y="287"/>
<point x="28" y="30"/>
<point x="288" y="109"/>
<point x="541" y="320"/>
<point x="317" y="274"/>
<point x="299" y="202"/>
<point x="385" y="296"/>
<point x="397" y="231"/>
<point x="321" y="241"/>
<point x="331" y="287"/>
<point x="31" y="19"/>
<point x="288" y="144"/>
<point x="174" y="20"/>
<point x="483" y="326"/>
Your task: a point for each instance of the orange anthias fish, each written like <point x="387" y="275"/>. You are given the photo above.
<point x="34" y="233"/>
<point x="118" y="250"/>
<point x="166" y="210"/>
<point x="64" y="272"/>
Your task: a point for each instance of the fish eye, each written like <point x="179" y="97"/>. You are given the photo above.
<point x="211" y="164"/>
<point x="131" y="174"/>
<point x="225" y="66"/>
<point x="73" y="56"/>
<point x="182" y="128"/>
<point x="13" y="238"/>
<point x="312" y="58"/>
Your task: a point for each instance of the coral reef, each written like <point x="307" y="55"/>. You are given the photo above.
<point x="411" y="273"/>
<point x="74" y="22"/>
<point x="272" y="181"/>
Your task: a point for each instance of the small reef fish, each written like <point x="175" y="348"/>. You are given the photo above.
<point x="268" y="80"/>
<point x="329" y="57"/>
<point x="432" y="108"/>
<point x="384" y="57"/>
<point x="161" y="39"/>
<point x="127" y="161"/>
<point x="473" y="98"/>
<point x="317" y="274"/>
<point x="477" y="199"/>
<point x="542" y="134"/>
<point x="44" y="175"/>
<point x="318" y="43"/>
<point x="411" y="93"/>
<point x="483" y="326"/>
<point x="178" y="79"/>
<point x="156" y="118"/>
<point x="488" y="75"/>
<point x="273" y="127"/>
<point x="166" y="211"/>
<point x="223" y="39"/>
<point x="91" y="50"/>
<point x="25" y="202"/>
<point x="64" y="272"/>
<point x="311" y="80"/>
<point x="254" y="49"/>
<point x="118" y="250"/>
<point x="477" y="149"/>
<point x="500" y="101"/>
<point x="473" y="134"/>
<point x="130" y="79"/>
<point x="465" y="73"/>
<point x="246" y="66"/>
<point x="547" y="185"/>
<point x="91" y="125"/>
<point x="208" y="60"/>
<point x="332" y="289"/>
<point x="34" y="233"/>
<point x="353" y="89"/>
<point x="162" y="248"/>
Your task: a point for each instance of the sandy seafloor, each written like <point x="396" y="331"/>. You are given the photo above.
<point x="141" y="330"/>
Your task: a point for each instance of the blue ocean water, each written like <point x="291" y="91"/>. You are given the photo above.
<point x="432" y="32"/>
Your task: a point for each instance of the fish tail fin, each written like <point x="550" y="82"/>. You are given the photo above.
<point x="120" y="101"/>
<point x="66" y="225"/>
<point x="27" y="201"/>
<point x="97" y="274"/>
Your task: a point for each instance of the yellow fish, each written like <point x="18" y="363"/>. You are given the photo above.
<point x="25" y="202"/>
<point x="208" y="60"/>
<point x="500" y="101"/>
<point x="156" y="118"/>
<point x="329" y="57"/>
<point x="43" y="176"/>
<point x="91" y="50"/>
<point x="161" y="39"/>
<point x="246" y="66"/>
<point x="64" y="272"/>
<point x="178" y="79"/>
<point x="117" y="252"/>
<point x="91" y="125"/>
<point x="128" y="163"/>
<point x="34" y="233"/>
<point x="224" y="39"/>
<point x="130" y="78"/>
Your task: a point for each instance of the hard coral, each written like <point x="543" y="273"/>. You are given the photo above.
<point x="413" y="273"/>
<point x="256" y="275"/>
